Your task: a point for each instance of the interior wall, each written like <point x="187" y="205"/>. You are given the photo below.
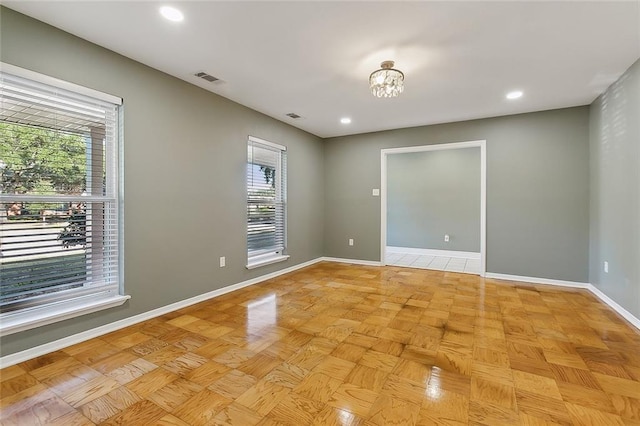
<point x="615" y="191"/>
<point x="185" y="155"/>
<point x="537" y="190"/>
<point x="433" y="193"/>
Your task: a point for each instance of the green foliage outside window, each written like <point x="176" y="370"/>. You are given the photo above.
<point x="41" y="161"/>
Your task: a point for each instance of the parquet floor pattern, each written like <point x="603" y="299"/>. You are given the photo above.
<point x="338" y="344"/>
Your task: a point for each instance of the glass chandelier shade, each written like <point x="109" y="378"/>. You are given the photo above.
<point x="386" y="82"/>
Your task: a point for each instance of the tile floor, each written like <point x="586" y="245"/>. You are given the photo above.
<point x="439" y="263"/>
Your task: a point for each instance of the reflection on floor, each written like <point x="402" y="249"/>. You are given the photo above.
<point x="338" y="344"/>
<point x="439" y="263"/>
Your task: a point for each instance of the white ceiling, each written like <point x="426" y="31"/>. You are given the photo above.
<point x="314" y="58"/>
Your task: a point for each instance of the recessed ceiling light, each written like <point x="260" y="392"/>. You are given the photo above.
<point x="171" y="13"/>
<point x="514" y="95"/>
<point x="345" y="120"/>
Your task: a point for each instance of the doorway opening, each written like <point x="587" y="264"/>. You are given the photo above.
<point x="469" y="261"/>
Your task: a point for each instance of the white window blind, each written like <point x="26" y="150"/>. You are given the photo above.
<point x="266" y="199"/>
<point x="59" y="194"/>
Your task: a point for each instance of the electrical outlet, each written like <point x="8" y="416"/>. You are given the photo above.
<point x="446" y="238"/>
<point x="375" y="192"/>
<point x="350" y="241"/>
<point x="606" y="266"/>
<point x="223" y="261"/>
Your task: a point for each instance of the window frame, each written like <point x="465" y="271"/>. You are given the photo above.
<point x="273" y="256"/>
<point x="56" y="308"/>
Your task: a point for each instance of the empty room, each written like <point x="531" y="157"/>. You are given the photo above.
<point x="319" y="213"/>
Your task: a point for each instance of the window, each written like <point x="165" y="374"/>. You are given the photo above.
<point x="266" y="203"/>
<point x="59" y="200"/>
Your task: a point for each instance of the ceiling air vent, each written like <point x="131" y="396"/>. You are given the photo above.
<point x="293" y="115"/>
<point x="205" y="76"/>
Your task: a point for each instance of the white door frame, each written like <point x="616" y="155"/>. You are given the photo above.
<point x="482" y="144"/>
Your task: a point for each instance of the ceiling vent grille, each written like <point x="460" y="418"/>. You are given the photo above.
<point x="293" y="115"/>
<point x="208" y="77"/>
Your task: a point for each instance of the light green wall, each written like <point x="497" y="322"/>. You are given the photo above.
<point x="433" y="193"/>
<point x="185" y="155"/>
<point x="615" y="191"/>
<point x="537" y="190"/>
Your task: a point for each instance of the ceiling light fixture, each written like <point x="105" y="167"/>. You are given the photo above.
<point x="171" y="13"/>
<point x="386" y="82"/>
<point x="514" y="95"/>
<point x="345" y="120"/>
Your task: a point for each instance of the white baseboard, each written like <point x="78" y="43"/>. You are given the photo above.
<point x="351" y="261"/>
<point x="615" y="306"/>
<point x="593" y="289"/>
<point x="536" y="280"/>
<point x="434" y="252"/>
<point x="9" y="360"/>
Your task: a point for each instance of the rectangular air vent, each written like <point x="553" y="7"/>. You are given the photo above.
<point x="208" y="77"/>
<point x="293" y="115"/>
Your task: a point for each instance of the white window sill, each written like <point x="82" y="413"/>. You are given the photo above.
<point x="14" y="322"/>
<point x="266" y="260"/>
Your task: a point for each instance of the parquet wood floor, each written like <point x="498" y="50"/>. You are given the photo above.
<point x="337" y="344"/>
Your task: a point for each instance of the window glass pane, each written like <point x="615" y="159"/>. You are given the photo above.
<point x="43" y="244"/>
<point x="265" y="200"/>
<point x="50" y="247"/>
<point x="40" y="161"/>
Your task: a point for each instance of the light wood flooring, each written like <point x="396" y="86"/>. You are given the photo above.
<point x="337" y="344"/>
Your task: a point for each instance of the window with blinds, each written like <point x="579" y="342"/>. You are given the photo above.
<point x="59" y="193"/>
<point x="266" y="202"/>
